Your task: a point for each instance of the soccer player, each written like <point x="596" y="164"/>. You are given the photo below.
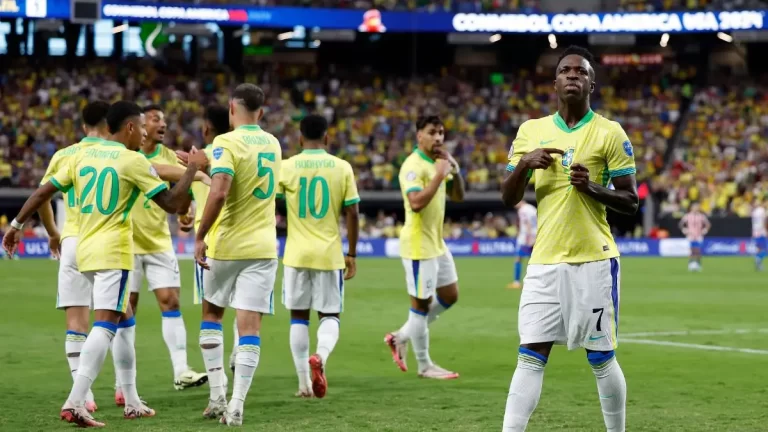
<point x="759" y="233"/>
<point x="156" y="261"/>
<point x="109" y="176"/>
<point x="74" y="290"/>
<point x="695" y="225"/>
<point x="427" y="176"/>
<point x="526" y="236"/>
<point x="241" y="264"/>
<point x="317" y="188"/>
<point x="571" y="289"/>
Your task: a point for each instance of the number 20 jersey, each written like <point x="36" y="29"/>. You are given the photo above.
<point x="246" y="228"/>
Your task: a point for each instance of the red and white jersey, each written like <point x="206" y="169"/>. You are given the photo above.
<point x="527" y="225"/>
<point x="758" y="222"/>
<point x="695" y="224"/>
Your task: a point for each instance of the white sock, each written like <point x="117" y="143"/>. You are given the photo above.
<point x="92" y="356"/>
<point x="124" y="354"/>
<point x="235" y="337"/>
<point x="417" y="330"/>
<point x="73" y="346"/>
<point x="175" y="337"/>
<point x="327" y="336"/>
<point x="525" y="390"/>
<point x="612" y="389"/>
<point x="248" y="352"/>
<point x="213" y="357"/>
<point x="436" y="307"/>
<point x="300" y="349"/>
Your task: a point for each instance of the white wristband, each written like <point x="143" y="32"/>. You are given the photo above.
<point x="16" y="225"/>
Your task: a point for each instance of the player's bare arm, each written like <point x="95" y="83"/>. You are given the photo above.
<point x="513" y="186"/>
<point x="352" y="217"/>
<point x="172" y="201"/>
<point x="420" y="199"/>
<point x="622" y="200"/>
<point x="49" y="222"/>
<point x="172" y="173"/>
<point x="42" y="195"/>
<point x="221" y="183"/>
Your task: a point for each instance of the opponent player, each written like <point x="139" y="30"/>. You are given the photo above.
<point x="156" y="261"/>
<point x="695" y="225"/>
<point x="242" y="259"/>
<point x="759" y="233"/>
<point x="427" y="176"/>
<point x="571" y="289"/>
<point x="317" y="188"/>
<point x="526" y="236"/>
<point x="108" y="177"/>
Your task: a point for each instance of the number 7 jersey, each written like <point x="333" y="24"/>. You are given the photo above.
<point x="246" y="228"/>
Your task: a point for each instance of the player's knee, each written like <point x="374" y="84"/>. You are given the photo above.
<point x="168" y="299"/>
<point x="448" y="296"/>
<point x="541" y="348"/>
<point x="321" y="315"/>
<point x="598" y="359"/>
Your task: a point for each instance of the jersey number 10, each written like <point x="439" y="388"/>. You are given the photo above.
<point x="307" y="197"/>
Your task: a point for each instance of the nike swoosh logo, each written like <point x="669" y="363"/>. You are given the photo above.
<point x="541" y="143"/>
<point x="606" y="397"/>
<point x="592" y="338"/>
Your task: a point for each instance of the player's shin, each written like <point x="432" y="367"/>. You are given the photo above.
<point x="299" y="340"/>
<point x="175" y="337"/>
<point x="93" y="354"/>
<point x="417" y="330"/>
<point x="327" y="336"/>
<point x="124" y="353"/>
<point x="212" y="347"/>
<point x="73" y="346"/>
<point x="246" y="362"/>
<point x="611" y="387"/>
<point x="437" y="307"/>
<point x="524" y="390"/>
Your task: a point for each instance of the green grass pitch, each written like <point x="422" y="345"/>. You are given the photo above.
<point x="690" y="384"/>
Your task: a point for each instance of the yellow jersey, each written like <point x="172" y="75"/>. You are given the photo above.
<point x="199" y="192"/>
<point x="246" y="228"/>
<point x="573" y="226"/>
<point x="151" y="233"/>
<point x="108" y="178"/>
<point x="422" y="235"/>
<point x="316" y="186"/>
<point x="71" y="207"/>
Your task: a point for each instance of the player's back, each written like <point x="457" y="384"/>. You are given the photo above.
<point x="316" y="186"/>
<point x="152" y="233"/>
<point x="246" y="226"/>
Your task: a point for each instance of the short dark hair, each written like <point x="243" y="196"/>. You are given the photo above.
<point x="249" y="96"/>
<point x="219" y="118"/>
<point x="424" y="121"/>
<point x="119" y="112"/>
<point x="153" y="107"/>
<point x="579" y="51"/>
<point x="95" y="113"/>
<point x="313" y="127"/>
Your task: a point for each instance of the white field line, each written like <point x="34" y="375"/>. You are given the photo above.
<point x="694" y="346"/>
<point x="691" y="333"/>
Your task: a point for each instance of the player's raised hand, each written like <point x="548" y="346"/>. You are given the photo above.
<point x="186" y="221"/>
<point x="443" y="167"/>
<point x="182" y="156"/>
<point x="579" y="177"/>
<point x="442" y="154"/>
<point x="11" y="241"/>
<point x="200" y="254"/>
<point x="350" y="267"/>
<point x="541" y="158"/>
<point x="54" y="245"/>
<point x="199" y="158"/>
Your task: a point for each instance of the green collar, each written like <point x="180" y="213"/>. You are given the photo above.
<point x="250" y="128"/>
<point x="560" y="123"/>
<point x="112" y="143"/>
<point x="313" y="151"/>
<point x="207" y="146"/>
<point x="423" y="155"/>
<point x="92" y="140"/>
<point x="153" y="154"/>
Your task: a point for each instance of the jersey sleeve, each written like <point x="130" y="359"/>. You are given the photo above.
<point x="223" y="161"/>
<point x="520" y="146"/>
<point x="351" y="195"/>
<point x="142" y="174"/>
<point x="53" y="168"/>
<point x="411" y="178"/>
<point x="62" y="179"/>
<point x="620" y="156"/>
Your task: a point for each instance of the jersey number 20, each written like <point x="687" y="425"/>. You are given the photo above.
<point x="100" y="179"/>
<point x="307" y="197"/>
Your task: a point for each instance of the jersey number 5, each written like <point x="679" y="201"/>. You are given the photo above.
<point x="307" y="197"/>
<point x="100" y="180"/>
<point x="265" y="171"/>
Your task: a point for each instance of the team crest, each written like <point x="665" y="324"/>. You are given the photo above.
<point x="411" y="176"/>
<point x="628" y="148"/>
<point x="217" y="152"/>
<point x="568" y="158"/>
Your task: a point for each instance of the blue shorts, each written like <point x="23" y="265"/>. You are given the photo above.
<point x="524" y="251"/>
<point x="760" y="242"/>
<point x="696" y="244"/>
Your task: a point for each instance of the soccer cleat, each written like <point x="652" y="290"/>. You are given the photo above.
<point x="399" y="350"/>
<point x="304" y="394"/>
<point x="216" y="408"/>
<point x="132" y="413"/>
<point x="91" y="407"/>
<point x="514" y="285"/>
<point x="319" y="383"/>
<point x="189" y="379"/>
<point x="436" y="372"/>
<point x="79" y="416"/>
<point x="234" y="418"/>
<point x="119" y="398"/>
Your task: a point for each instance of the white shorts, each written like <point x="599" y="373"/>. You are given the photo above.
<point x="109" y="289"/>
<point x="571" y="304"/>
<point x="160" y="269"/>
<point x="74" y="288"/>
<point x="319" y="290"/>
<point x="424" y="277"/>
<point x="199" y="292"/>
<point x="244" y="284"/>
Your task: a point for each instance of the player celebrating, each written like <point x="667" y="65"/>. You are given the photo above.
<point x="759" y="233"/>
<point x="242" y="259"/>
<point x="426" y="177"/>
<point x="108" y="177"/>
<point x="526" y="236"/>
<point x="571" y="289"/>
<point x="695" y="225"/>
<point x="317" y="187"/>
<point x="156" y="260"/>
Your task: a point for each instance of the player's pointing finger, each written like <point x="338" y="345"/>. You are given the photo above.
<point x="553" y="150"/>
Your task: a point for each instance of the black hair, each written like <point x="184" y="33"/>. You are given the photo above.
<point x="424" y="121"/>
<point x="119" y="112"/>
<point x="218" y="116"/>
<point x="95" y="113"/>
<point x="313" y="127"/>
<point x="581" y="52"/>
<point x="249" y="96"/>
<point x="153" y="107"/>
